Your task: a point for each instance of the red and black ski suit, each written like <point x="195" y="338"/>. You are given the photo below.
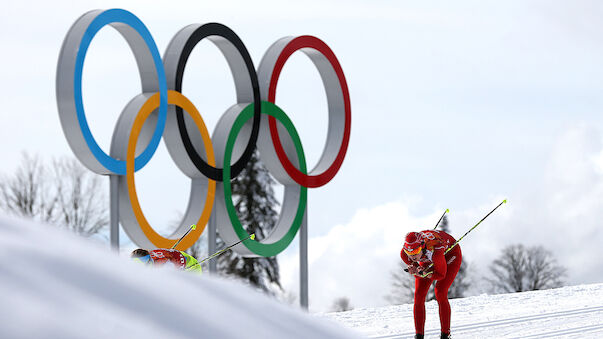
<point x="445" y="268"/>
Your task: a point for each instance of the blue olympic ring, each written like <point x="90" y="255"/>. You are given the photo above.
<point x="125" y="17"/>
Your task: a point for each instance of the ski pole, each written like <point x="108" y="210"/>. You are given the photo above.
<point x="193" y="226"/>
<point x="442" y="217"/>
<point x="461" y="238"/>
<point x="252" y="237"/>
<point x="471" y="229"/>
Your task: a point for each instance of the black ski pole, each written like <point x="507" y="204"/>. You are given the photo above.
<point x="252" y="237"/>
<point x="461" y="238"/>
<point x="442" y="217"/>
<point x="193" y="226"/>
<point x="471" y="229"/>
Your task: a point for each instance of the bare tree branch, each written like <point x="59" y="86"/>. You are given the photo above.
<point x="80" y="198"/>
<point x="68" y="196"/>
<point x="520" y="269"/>
<point x="543" y="270"/>
<point x="402" y="288"/>
<point x="27" y="193"/>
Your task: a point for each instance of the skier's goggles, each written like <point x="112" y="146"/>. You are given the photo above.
<point x="144" y="259"/>
<point x="413" y="252"/>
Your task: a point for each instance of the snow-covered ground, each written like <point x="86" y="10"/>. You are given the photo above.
<point x="56" y="285"/>
<point x="568" y="312"/>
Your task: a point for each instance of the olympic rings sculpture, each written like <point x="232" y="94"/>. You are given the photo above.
<point x="158" y="111"/>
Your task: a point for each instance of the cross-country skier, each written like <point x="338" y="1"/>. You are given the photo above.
<point x="420" y="250"/>
<point x="161" y="256"/>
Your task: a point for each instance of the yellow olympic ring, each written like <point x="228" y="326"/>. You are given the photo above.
<point x="174" y="98"/>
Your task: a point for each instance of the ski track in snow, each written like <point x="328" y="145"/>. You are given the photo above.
<point x="568" y="312"/>
<point x="548" y="320"/>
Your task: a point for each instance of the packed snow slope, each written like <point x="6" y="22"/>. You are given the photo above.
<point x="57" y="285"/>
<point x="568" y="312"/>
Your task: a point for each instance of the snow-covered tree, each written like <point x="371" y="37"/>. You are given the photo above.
<point x="253" y="196"/>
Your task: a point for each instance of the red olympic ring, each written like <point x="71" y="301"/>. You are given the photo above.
<point x="302" y="179"/>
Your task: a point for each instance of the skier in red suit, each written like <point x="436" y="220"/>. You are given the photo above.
<point x="420" y="250"/>
<point x="162" y="256"/>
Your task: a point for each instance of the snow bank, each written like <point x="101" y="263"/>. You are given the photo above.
<point x="57" y="285"/>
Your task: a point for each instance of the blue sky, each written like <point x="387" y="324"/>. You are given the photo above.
<point x="455" y="105"/>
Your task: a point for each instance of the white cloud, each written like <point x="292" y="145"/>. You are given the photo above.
<point x="557" y="210"/>
<point x="354" y="260"/>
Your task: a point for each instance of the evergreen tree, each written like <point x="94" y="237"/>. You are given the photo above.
<point x="461" y="282"/>
<point x="255" y="203"/>
<point x="443" y="226"/>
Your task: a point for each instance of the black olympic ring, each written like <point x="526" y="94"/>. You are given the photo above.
<point x="233" y="49"/>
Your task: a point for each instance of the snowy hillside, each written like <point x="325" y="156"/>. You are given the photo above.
<point x="569" y="312"/>
<point x="57" y="285"/>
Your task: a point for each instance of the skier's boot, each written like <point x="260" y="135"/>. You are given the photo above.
<point x="419" y="336"/>
<point x="445" y="336"/>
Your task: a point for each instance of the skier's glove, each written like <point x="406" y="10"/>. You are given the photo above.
<point x="414" y="269"/>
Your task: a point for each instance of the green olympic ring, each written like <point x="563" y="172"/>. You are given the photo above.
<point x="257" y="247"/>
